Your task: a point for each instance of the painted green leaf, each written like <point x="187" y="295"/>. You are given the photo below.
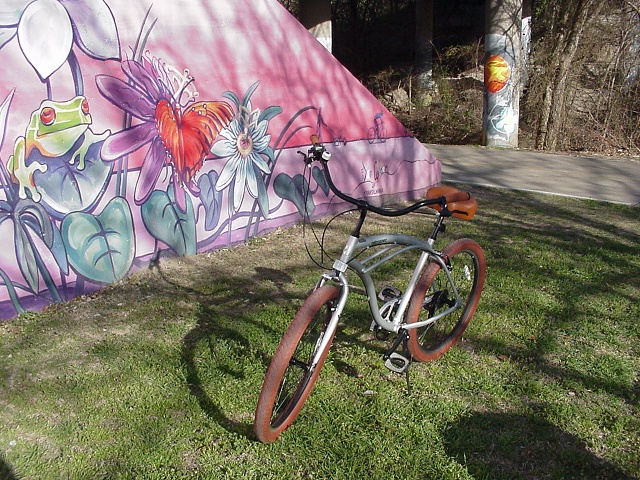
<point x="263" y="197"/>
<point x="318" y="175"/>
<point x="11" y="290"/>
<point x="269" y="113"/>
<point x="296" y="190"/>
<point x="167" y="223"/>
<point x="30" y="219"/>
<point x="211" y="199"/>
<point x="101" y="248"/>
<point x="26" y="256"/>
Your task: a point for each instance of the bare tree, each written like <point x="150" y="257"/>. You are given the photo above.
<point x="566" y="27"/>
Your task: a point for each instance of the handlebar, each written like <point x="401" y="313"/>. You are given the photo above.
<point x="317" y="153"/>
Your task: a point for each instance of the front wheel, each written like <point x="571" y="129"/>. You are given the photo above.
<point x="434" y="294"/>
<point x="290" y="378"/>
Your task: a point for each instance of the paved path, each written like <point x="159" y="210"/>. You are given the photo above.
<point x="605" y="179"/>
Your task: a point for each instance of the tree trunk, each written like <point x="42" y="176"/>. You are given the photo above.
<point x="503" y="56"/>
<point x="571" y="25"/>
<point x="424" y="43"/>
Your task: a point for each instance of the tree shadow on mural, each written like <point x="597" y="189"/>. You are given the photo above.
<point x="513" y="446"/>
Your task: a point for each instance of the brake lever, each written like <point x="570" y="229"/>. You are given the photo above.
<point x="307" y="159"/>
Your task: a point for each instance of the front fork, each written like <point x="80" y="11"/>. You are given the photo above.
<point x="323" y="343"/>
<point x="338" y="276"/>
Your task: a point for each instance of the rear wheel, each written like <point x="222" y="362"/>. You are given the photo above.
<point x="289" y="378"/>
<point x="371" y="136"/>
<point x="434" y="295"/>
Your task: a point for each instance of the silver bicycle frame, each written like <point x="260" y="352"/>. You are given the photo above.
<point x="395" y="244"/>
<point x="398" y="244"/>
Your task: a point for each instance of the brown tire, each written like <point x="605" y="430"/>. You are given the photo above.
<point x="289" y="380"/>
<point x="433" y="294"/>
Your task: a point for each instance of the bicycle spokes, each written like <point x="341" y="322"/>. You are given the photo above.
<point x="301" y="364"/>
<point x="293" y="380"/>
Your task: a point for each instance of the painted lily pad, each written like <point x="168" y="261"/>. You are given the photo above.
<point x="66" y="189"/>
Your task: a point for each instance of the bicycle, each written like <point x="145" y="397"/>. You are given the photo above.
<point x="439" y="301"/>
<point x="377" y="132"/>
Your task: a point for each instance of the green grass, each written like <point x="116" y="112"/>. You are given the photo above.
<point x="158" y="376"/>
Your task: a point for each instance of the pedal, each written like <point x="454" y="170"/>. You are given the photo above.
<point x="389" y="293"/>
<point x="397" y="363"/>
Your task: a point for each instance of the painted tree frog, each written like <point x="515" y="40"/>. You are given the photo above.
<point x="53" y="130"/>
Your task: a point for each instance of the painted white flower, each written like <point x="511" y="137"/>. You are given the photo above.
<point x="46" y="30"/>
<point x="245" y="144"/>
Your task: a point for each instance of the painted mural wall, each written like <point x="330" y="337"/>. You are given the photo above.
<point x="133" y="130"/>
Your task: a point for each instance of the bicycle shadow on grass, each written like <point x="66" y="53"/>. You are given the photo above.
<point x="512" y="446"/>
<point x="225" y="342"/>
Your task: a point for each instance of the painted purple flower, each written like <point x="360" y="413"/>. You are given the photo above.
<point x="179" y="130"/>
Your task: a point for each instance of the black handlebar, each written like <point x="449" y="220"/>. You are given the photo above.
<point x="317" y="153"/>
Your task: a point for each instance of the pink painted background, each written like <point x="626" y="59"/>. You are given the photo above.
<point x="169" y="169"/>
